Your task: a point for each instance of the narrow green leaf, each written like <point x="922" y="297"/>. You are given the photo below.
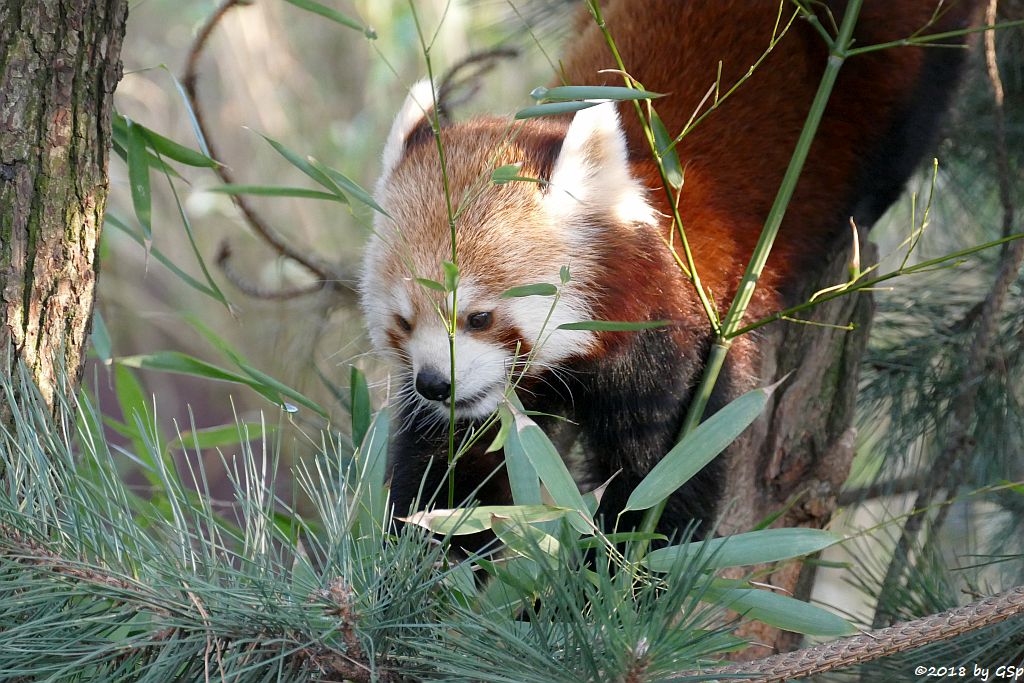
<point x="614" y="325"/>
<point x="334" y="15"/>
<point x="780" y="611"/>
<point x="591" y="92"/>
<point x="528" y="541"/>
<point x="354" y="189"/>
<point x="522" y="477"/>
<point x="176" y="151"/>
<point x="539" y="289"/>
<point x="669" y="159"/>
<point x="619" y="537"/>
<point x="451" y="276"/>
<point x="740" y="550"/>
<point x="564" y="275"/>
<point x="460" y="521"/>
<point x="274" y="191"/>
<point x="120" y="146"/>
<point x="223" y="435"/>
<point x="362" y="411"/>
<point x="114" y="221"/>
<point x="190" y="234"/>
<point x="308" y="167"/>
<point x="374" y="451"/>
<point x="138" y="179"/>
<point x="506" y="421"/>
<point x="698" y="448"/>
<point x="270" y="386"/>
<point x="430" y="284"/>
<point x="505" y="174"/>
<point x="183" y="364"/>
<point x="548" y="465"/>
<point x="553" y="109"/>
<point x="100" y="337"/>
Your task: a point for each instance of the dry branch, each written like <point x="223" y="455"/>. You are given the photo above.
<point x="328" y="275"/>
<point x="872" y="645"/>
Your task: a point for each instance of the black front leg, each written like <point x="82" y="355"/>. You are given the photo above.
<point x="418" y="461"/>
<point x="630" y="413"/>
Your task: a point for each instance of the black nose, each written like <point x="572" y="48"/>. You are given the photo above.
<point x="433" y="385"/>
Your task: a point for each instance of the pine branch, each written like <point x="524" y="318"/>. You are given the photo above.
<point x="961" y="417"/>
<point x="875" y="644"/>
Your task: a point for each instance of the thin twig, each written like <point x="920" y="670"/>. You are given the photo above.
<point x="963" y="409"/>
<point x="223" y="261"/>
<point x="872" y="645"/>
<point x="326" y="274"/>
<point x="893" y="487"/>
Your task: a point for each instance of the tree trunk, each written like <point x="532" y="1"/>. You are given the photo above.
<point x="798" y="454"/>
<point x="59" y="64"/>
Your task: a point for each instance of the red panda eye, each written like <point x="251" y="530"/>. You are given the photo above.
<point x="479" y="321"/>
<point x="404" y="324"/>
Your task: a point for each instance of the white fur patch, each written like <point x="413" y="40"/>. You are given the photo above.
<point x="592" y="173"/>
<point x="418" y="104"/>
<point x="552" y="345"/>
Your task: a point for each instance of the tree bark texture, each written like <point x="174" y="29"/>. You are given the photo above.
<point x="59" y="64"/>
<point x="797" y="455"/>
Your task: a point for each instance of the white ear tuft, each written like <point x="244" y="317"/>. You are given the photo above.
<point x="418" y="105"/>
<point x="592" y="172"/>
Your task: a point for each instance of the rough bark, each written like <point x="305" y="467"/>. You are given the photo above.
<point x="798" y="454"/>
<point x="59" y="64"/>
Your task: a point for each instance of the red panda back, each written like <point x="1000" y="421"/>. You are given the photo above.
<point x="879" y="121"/>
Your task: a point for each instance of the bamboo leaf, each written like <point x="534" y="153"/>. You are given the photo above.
<point x="591" y="92"/>
<point x="361" y="410"/>
<point x="138" y="179"/>
<point x="780" y="611"/>
<point x="176" y="151"/>
<point x="100" y="337"/>
<point x="308" y="167"/>
<point x="334" y="15"/>
<point x="527" y="540"/>
<point x="755" y="547"/>
<point x="451" y="276"/>
<point x="614" y="325"/>
<point x="669" y="159"/>
<point x="548" y="465"/>
<point x="553" y="109"/>
<point x="697" y="449"/>
<point x="522" y="476"/>
<point x="353" y="188"/>
<point x="274" y="191"/>
<point x="539" y="289"/>
<point x="430" y="284"/>
<point x="462" y="521"/>
<point x="223" y="435"/>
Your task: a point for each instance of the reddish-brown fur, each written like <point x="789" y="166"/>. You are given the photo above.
<point x="735" y="159"/>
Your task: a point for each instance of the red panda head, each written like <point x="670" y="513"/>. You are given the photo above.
<point x="508" y="235"/>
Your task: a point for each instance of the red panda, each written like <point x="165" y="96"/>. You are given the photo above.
<point x="600" y="210"/>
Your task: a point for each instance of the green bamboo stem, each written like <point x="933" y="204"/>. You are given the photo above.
<point x="709" y="309"/>
<point x="435" y="127"/>
<point x="838" y="53"/>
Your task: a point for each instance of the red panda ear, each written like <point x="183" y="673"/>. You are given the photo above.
<point x="592" y="173"/>
<point x="411" y="117"/>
